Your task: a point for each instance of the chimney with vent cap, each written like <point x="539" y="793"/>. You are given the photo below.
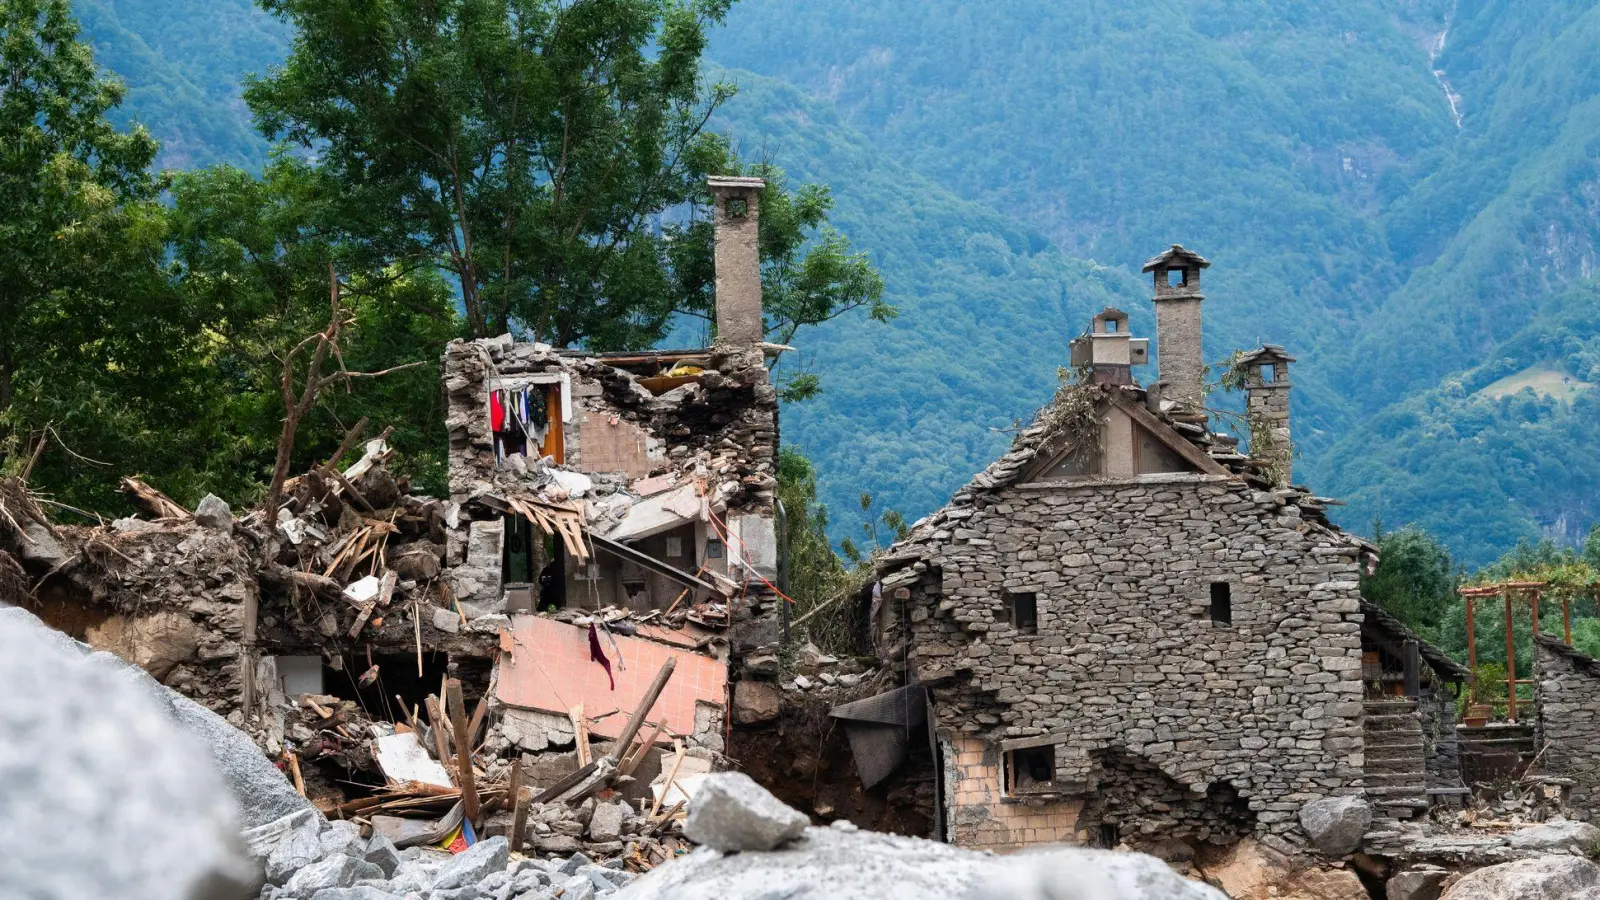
<point x="1266" y="386"/>
<point x="1109" y="352"/>
<point x="1177" y="299"/>
<point x="738" y="260"/>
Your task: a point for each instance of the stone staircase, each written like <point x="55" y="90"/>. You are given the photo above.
<point x="1396" y="761"/>
<point x="1495" y="753"/>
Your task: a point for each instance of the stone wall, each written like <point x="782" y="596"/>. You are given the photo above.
<point x="1442" y="745"/>
<point x="1567" y="694"/>
<point x="1126" y="657"/>
<point x="170" y="598"/>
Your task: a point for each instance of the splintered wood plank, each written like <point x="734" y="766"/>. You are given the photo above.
<point x="580" y="727"/>
<point x="464" y="774"/>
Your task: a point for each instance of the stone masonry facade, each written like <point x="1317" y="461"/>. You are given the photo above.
<point x="1567" y="694"/>
<point x="1125" y="659"/>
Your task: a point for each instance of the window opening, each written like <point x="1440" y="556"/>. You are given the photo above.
<point x="1110" y="835"/>
<point x="1266" y="373"/>
<point x="1023" y="612"/>
<point x="1031" y="769"/>
<point x="738" y="207"/>
<point x="1175" y="277"/>
<point x="1221" y="603"/>
<point x="1111" y="326"/>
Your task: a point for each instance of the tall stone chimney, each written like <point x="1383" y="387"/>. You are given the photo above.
<point x="1177" y="298"/>
<point x="738" y="258"/>
<point x="1266" y="385"/>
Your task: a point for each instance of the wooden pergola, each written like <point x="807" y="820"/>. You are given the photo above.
<point x="1509" y="592"/>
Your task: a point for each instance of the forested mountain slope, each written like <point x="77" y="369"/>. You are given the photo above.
<point x="1404" y="192"/>
<point x="183" y="61"/>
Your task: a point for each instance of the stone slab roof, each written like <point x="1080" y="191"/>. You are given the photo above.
<point x="1222" y="460"/>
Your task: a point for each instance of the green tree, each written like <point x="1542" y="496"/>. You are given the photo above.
<point x="88" y="326"/>
<point x="1415" y="579"/>
<point x="254" y="255"/>
<point x="550" y="155"/>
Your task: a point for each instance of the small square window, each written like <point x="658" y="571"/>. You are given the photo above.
<point x="1175" y="277"/>
<point x="1030" y="770"/>
<point x="1023" y="612"/>
<point x="1221" y="603"/>
<point x="713" y="549"/>
<point x="738" y="207"/>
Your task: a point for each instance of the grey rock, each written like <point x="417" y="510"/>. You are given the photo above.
<point x="573" y="864"/>
<point x="731" y="812"/>
<point x="410" y="877"/>
<point x="380" y="852"/>
<point x="556" y="843"/>
<point x="262" y="792"/>
<point x="473" y="865"/>
<point x="603" y="879"/>
<point x="1556" y="835"/>
<point x="577" y="888"/>
<point x="1416" y="883"/>
<point x="213" y="512"/>
<point x="605" y="824"/>
<point x="547" y="893"/>
<point x="1542" y="878"/>
<point x="1336" y="824"/>
<point x="342" y="837"/>
<point x="830" y="864"/>
<point x="101" y="793"/>
<point x="359" y="892"/>
<point x="446" y="620"/>
<point x="337" y="871"/>
<point x="299" y="848"/>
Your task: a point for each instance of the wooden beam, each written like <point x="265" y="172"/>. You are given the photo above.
<point x="519" y="805"/>
<point x="1166" y="435"/>
<point x="651" y="694"/>
<point x="567" y="783"/>
<point x="1472" y="652"/>
<point x="1511" y="664"/>
<point x="672" y="777"/>
<point x="458" y="724"/>
<point x="580" y="728"/>
<point x="636" y="757"/>
<point x="440" y="740"/>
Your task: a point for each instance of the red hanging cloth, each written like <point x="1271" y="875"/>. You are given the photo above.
<point x="599" y="655"/>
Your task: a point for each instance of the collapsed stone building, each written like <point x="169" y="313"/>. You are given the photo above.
<point x="1130" y="633"/>
<point x="612" y="522"/>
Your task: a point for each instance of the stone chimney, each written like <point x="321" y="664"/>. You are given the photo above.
<point x="1108" y="351"/>
<point x="1266" y="385"/>
<point x="1177" y="298"/>
<point x="738" y="258"/>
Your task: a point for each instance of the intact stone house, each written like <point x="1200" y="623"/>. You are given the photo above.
<point x="1129" y="631"/>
